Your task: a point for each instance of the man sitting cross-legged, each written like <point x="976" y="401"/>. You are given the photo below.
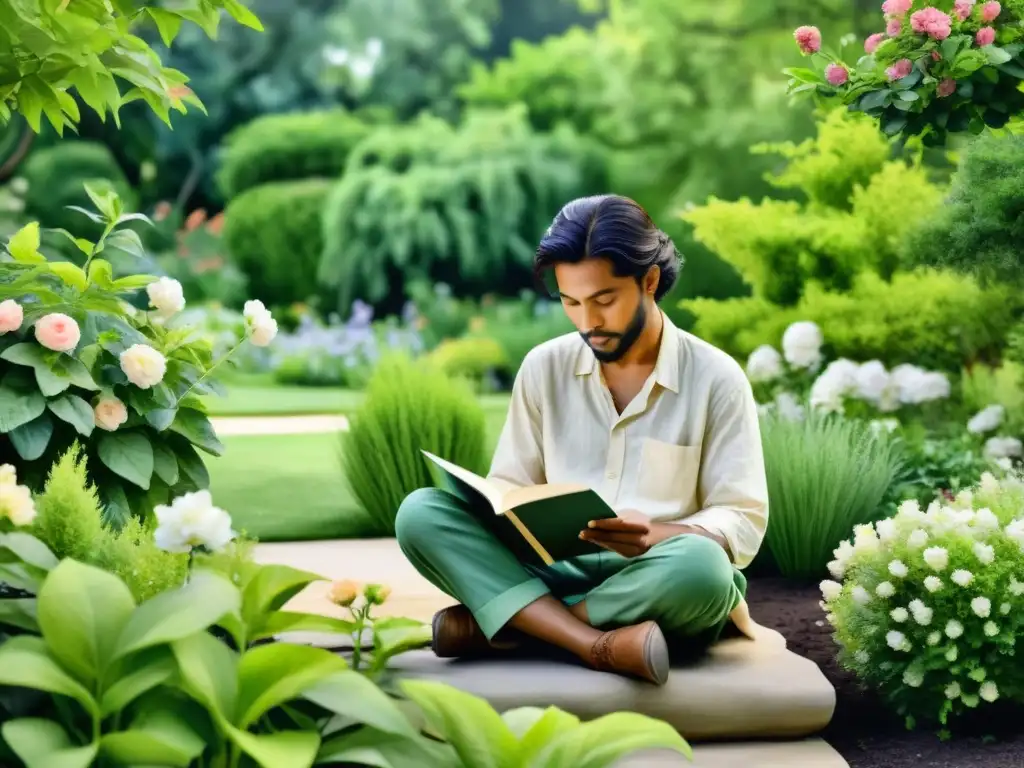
<point x="661" y="424"/>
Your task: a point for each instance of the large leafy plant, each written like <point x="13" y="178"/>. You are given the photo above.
<point x="78" y="362"/>
<point x="939" y="68"/>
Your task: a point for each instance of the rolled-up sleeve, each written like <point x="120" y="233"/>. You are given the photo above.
<point x="519" y="457"/>
<point x="733" y="489"/>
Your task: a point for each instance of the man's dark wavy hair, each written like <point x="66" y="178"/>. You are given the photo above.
<point x="611" y="227"/>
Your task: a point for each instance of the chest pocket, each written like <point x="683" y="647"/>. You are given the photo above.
<point x="669" y="473"/>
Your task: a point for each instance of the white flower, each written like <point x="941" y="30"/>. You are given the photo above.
<point x="923" y="615"/>
<point x="898" y="569"/>
<point x="862" y="656"/>
<point x="953" y="691"/>
<point x="1016" y="587"/>
<point x="885" y="589"/>
<point x="764" y="364"/>
<point x="192" y="521"/>
<point x="864" y="538"/>
<point x="830" y="590"/>
<point x="962" y="577"/>
<point x="954" y="629"/>
<point x="789" y="406"/>
<point x="143" y="365"/>
<point x="917" y="538"/>
<point x="952" y="654"/>
<point x="896" y="640"/>
<point x="934" y="638"/>
<point x="933" y="583"/>
<point x="991" y="629"/>
<point x="917" y="385"/>
<point x="801" y="344"/>
<point x="884" y="426"/>
<point x="986" y="520"/>
<point x="1015" y="531"/>
<point x="1003" y="447"/>
<point x="876" y="386"/>
<point x="886" y="529"/>
<point x="909" y="509"/>
<point x="986" y="419"/>
<point x="837" y="568"/>
<point x="913" y="677"/>
<point x="937" y="558"/>
<point x="982" y="607"/>
<point x="844" y="551"/>
<point x="166" y="296"/>
<point x="1005" y="608"/>
<point x="16" y="501"/>
<point x="110" y="413"/>
<point x="860" y="595"/>
<point x="984" y="552"/>
<point x="8" y="474"/>
<point x="260" y="325"/>
<point x="899" y="615"/>
<point x="989" y="483"/>
<point x="989" y="691"/>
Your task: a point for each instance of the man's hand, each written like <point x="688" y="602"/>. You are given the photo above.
<point x="628" y="536"/>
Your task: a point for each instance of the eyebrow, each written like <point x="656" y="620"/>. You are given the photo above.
<point x="602" y="292"/>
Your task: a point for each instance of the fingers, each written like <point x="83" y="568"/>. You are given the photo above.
<point x="625" y="550"/>
<point x="620" y="524"/>
<point x="613" y="536"/>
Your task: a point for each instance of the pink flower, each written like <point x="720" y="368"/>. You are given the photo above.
<point x="985" y="36"/>
<point x="110" y="413"/>
<point x="893" y="27"/>
<point x="946" y="88"/>
<point x="989" y="11"/>
<point x="873" y="42"/>
<point x="58" y="332"/>
<point x="933" y="22"/>
<point x="808" y="38"/>
<point x="900" y="69"/>
<point x="836" y="74"/>
<point x="11" y="316"/>
<point x="896" y="7"/>
<point x="963" y="8"/>
<point x="936" y="56"/>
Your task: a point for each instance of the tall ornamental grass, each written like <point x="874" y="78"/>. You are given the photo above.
<point x="409" y="406"/>
<point x="826" y="474"/>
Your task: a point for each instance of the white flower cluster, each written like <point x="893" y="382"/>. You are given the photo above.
<point x="1002" y="448"/>
<point x="260" y="325"/>
<point x="801" y="348"/>
<point x="16" y="502"/>
<point x="936" y="594"/>
<point x="192" y="521"/>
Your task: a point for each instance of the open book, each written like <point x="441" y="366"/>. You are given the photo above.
<point x="540" y="524"/>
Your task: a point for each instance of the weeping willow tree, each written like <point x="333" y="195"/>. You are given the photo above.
<point x="463" y="205"/>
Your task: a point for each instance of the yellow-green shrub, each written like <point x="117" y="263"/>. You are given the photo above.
<point x="470" y="357"/>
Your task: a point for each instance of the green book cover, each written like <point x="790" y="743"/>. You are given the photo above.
<point x="539" y="524"/>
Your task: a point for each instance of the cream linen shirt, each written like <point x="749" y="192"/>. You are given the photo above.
<point x="687" y="448"/>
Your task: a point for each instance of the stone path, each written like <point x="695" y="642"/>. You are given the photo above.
<point x="277" y="425"/>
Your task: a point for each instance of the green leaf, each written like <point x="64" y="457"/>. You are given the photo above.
<point x="128" y="454"/>
<point x="19" y="612"/>
<point x="156" y="737"/>
<point x="907" y="95"/>
<point x="280" y="622"/>
<point x="604" y="741"/>
<point x="893" y="123"/>
<point x="75" y="411"/>
<point x="29" y="549"/>
<point x="45" y="744"/>
<point x="209" y="672"/>
<point x="82" y="611"/>
<point x="996" y="55"/>
<point x="165" y="465"/>
<point x="161" y="418"/>
<point x="467" y="722"/>
<point x="353" y="695"/>
<point x="394" y="635"/>
<point x="101" y="273"/>
<point x="127" y="240"/>
<point x="21" y="576"/>
<point x="271" y="675"/>
<point x="196" y="427"/>
<point x="176" y="614"/>
<point x="141" y="672"/>
<point x="285" y="749"/>
<point x="79" y="374"/>
<point x="536" y="728"/>
<point x="874" y="99"/>
<point x="30" y="440"/>
<point x="1014" y="69"/>
<point x="25" y="662"/>
<point x="368" y="746"/>
<point x="71" y="274"/>
<point x="106" y="201"/>
<point x="167" y="22"/>
<point x="25" y="353"/>
<point x="51" y="382"/>
<point x="271" y="588"/>
<point x="93" y="216"/>
<point x="242" y="15"/>
<point x="23" y="245"/>
<point x="132" y="283"/>
<point x="19" y="408"/>
<point x="85" y="246"/>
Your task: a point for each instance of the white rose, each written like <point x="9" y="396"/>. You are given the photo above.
<point x="827" y="394"/>
<point x="917" y="538"/>
<point x="844" y="551"/>
<point x="885" y="589"/>
<point x="991" y="629"/>
<point x="8" y="474"/>
<point x="830" y="590"/>
<point x="166" y="296"/>
<point x="837" y="569"/>
<point x="764" y="364"/>
<point x="143" y="365"/>
<point x="954" y="629"/>
<point x="192" y="521"/>
<point x="986" y="419"/>
<point x="962" y="577"/>
<point x="986" y="520"/>
<point x="801" y="344"/>
<point x="876" y="386"/>
<point x="937" y="558"/>
<point x="933" y="583"/>
<point x="897" y="640"/>
<point x="16" y="504"/>
<point x="253" y="308"/>
<point x="886" y="529"/>
<point x="984" y="552"/>
<point x="260" y="326"/>
<point x="864" y="538"/>
<point x="916" y="385"/>
<point x="110" y="413"/>
<point x="982" y="607"/>
<point x="923" y="616"/>
<point x="899" y="615"/>
<point x="1003" y="447"/>
<point x="898" y="569"/>
<point x="989" y="691"/>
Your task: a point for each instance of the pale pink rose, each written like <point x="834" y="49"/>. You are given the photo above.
<point x="896" y="7"/>
<point x="990" y="11"/>
<point x="900" y="69"/>
<point x="58" y="332"/>
<point x="893" y="27"/>
<point x="110" y="413"/>
<point x="946" y="88"/>
<point x="872" y="43"/>
<point x="836" y="74"/>
<point x="808" y="38"/>
<point x="932" y="22"/>
<point x="985" y="36"/>
<point x="963" y="8"/>
<point x="11" y="316"/>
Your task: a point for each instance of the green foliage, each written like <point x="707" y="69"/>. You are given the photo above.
<point x="936" y="320"/>
<point x="273" y="233"/>
<point x="408" y="407"/>
<point x="50" y="50"/>
<point x="462" y="205"/>
<point x="288" y="147"/>
<point x="825" y="475"/>
<point x="471" y="358"/>
<point x="980" y="227"/>
<point x="934" y="465"/>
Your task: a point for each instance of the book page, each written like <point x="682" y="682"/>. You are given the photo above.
<point x="520" y="496"/>
<point x="473" y="480"/>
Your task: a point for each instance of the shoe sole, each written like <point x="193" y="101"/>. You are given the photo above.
<point x="656" y="656"/>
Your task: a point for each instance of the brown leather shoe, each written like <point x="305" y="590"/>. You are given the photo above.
<point x="456" y="634"/>
<point x="639" y="651"/>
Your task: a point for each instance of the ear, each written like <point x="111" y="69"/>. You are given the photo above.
<point x="651" y="280"/>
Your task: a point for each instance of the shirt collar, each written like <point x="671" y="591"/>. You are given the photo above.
<point x="666" y="369"/>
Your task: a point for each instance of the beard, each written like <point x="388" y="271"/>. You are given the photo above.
<point x="626" y="339"/>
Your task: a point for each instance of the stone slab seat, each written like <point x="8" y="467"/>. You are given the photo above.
<point x="806" y="753"/>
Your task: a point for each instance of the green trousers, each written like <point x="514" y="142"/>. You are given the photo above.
<point x="687" y="583"/>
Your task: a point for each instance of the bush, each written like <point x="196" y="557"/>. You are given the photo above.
<point x="409" y="406"/>
<point x="825" y="475"/>
<point x="926" y="609"/>
<point x="273" y="234"/>
<point x="288" y="147"/>
<point x="472" y="358"/>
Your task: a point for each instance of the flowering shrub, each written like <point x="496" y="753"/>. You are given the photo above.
<point x="934" y="70"/>
<point x="79" y="363"/>
<point x="927" y="606"/>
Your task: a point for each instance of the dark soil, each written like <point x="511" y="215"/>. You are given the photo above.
<point x="864" y="731"/>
